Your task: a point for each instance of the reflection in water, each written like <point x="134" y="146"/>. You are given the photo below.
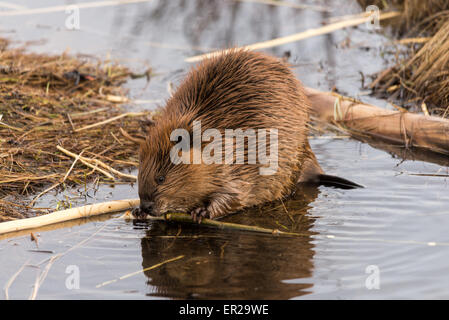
<point x="330" y="52"/>
<point x="204" y="23"/>
<point x="399" y="151"/>
<point x="234" y="265"/>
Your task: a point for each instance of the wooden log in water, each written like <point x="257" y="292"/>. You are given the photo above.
<point x="406" y="128"/>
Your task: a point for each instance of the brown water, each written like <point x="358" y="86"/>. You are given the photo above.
<point x="396" y="225"/>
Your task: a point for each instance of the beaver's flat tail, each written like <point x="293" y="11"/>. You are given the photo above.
<point x="313" y="174"/>
<point x="336" y="182"/>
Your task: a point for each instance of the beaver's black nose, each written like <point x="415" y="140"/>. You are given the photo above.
<point x="146" y="206"/>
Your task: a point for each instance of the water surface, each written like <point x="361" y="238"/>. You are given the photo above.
<point x="396" y="225"/>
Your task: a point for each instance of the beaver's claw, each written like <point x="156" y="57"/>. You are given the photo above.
<point x="138" y="214"/>
<point x="199" y="213"/>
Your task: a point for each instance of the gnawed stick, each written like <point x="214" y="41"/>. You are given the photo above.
<point x="69" y="214"/>
<point x="121" y="205"/>
<point x="186" y="218"/>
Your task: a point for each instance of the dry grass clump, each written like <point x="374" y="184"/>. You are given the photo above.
<point x="414" y="12"/>
<point x="420" y="76"/>
<point x="424" y="76"/>
<point x="44" y="102"/>
<point x="419" y="11"/>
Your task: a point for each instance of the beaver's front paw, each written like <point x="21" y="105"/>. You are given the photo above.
<point x="199" y="213"/>
<point x="139" y="214"/>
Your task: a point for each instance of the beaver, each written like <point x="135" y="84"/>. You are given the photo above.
<point x="237" y="90"/>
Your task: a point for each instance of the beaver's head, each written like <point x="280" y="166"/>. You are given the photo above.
<point x="168" y="179"/>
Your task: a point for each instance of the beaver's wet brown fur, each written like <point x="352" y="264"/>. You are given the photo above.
<point x="238" y="89"/>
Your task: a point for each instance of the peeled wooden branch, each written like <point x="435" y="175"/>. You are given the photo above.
<point x="66" y="215"/>
<point x="120" y="205"/>
<point x="186" y="218"/>
<point x="409" y="129"/>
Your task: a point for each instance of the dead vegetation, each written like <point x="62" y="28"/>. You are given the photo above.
<point x="414" y="12"/>
<point x="49" y="106"/>
<point x="420" y="76"/>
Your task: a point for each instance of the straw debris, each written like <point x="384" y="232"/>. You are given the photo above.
<point x="419" y="79"/>
<point x="44" y="102"/>
<point x="414" y="12"/>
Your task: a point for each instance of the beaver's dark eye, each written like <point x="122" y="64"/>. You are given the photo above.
<point x="160" y="179"/>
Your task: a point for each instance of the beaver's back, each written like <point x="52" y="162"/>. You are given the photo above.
<point x="243" y="89"/>
<point x="248" y="90"/>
